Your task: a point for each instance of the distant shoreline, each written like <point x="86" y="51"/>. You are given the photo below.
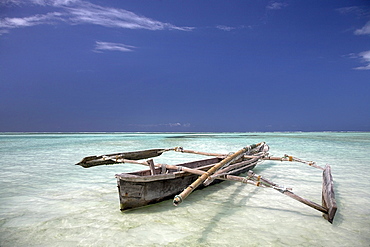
<point x="168" y="132"/>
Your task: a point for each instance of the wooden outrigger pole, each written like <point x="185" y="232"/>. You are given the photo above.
<point x="328" y="196"/>
<point x="328" y="207"/>
<point x="222" y="170"/>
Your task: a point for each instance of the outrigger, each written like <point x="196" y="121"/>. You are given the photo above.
<point x="162" y="181"/>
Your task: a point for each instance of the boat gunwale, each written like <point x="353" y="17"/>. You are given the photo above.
<point x="134" y="177"/>
<point x="172" y="174"/>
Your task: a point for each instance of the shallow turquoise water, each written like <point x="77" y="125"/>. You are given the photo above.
<point x="45" y="200"/>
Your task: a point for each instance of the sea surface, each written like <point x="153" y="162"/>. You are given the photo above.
<point x="46" y="200"/>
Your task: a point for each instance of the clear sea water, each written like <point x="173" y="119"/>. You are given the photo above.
<point x="45" y="200"/>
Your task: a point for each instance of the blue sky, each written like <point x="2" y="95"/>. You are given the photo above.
<point x="248" y="65"/>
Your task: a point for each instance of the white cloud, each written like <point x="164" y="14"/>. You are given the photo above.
<point x="273" y="5"/>
<point x="89" y="13"/>
<point x="225" y="28"/>
<point x="348" y="10"/>
<point x="359" y="11"/>
<point x="108" y="46"/>
<point x="10" y="2"/>
<point x="365" y="57"/>
<point x="83" y="12"/>
<point x="228" y="28"/>
<point x="364" y="30"/>
<point x="9" y="23"/>
<point x="56" y="3"/>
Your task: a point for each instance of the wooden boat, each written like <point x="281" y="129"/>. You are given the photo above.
<point x="142" y="188"/>
<point x="162" y="181"/>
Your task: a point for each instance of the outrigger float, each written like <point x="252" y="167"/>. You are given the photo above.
<point x="162" y="181"/>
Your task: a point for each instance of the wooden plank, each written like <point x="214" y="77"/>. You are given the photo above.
<point x="109" y="159"/>
<point x="328" y="196"/>
<point x="151" y="166"/>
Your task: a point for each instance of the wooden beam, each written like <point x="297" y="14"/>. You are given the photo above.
<point x="328" y="196"/>
<point x="151" y="166"/>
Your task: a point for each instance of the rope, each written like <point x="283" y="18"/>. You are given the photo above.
<point x="281" y="189"/>
<point x="310" y="163"/>
<point x="248" y="177"/>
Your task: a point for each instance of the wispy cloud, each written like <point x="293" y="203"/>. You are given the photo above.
<point x="275" y="5"/>
<point x="365" y="58"/>
<point x="348" y="10"/>
<point x="359" y="11"/>
<point x="272" y="7"/>
<point x="364" y="30"/>
<point x="83" y="12"/>
<point x="225" y="28"/>
<point x="228" y="28"/>
<point x="10" y="2"/>
<point x="108" y="46"/>
<point x="9" y="23"/>
<point x="56" y="3"/>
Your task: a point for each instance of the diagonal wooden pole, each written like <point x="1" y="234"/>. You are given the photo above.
<point x="186" y="192"/>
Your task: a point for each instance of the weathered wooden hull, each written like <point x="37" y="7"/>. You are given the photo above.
<point x="140" y="188"/>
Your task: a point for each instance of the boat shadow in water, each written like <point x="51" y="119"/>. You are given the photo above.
<point x="224" y="210"/>
<point x="239" y="198"/>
